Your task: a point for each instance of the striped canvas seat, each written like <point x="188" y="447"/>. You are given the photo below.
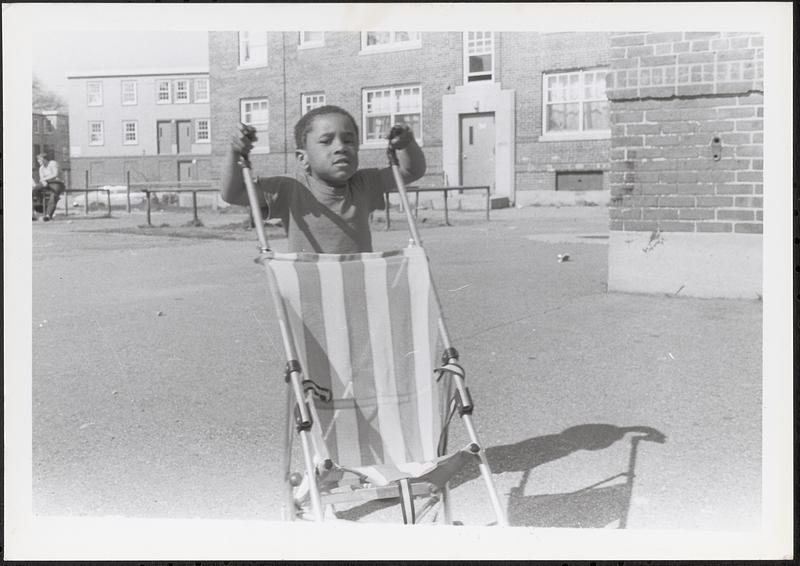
<point x="364" y="327"/>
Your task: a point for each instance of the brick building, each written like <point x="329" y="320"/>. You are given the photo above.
<point x="686" y="163"/>
<point x="50" y="135"/>
<point x="523" y="112"/>
<point x="154" y="124"/>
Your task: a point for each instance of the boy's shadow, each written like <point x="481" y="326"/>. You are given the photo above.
<point x="594" y="506"/>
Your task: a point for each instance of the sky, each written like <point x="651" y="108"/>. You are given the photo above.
<point x="113" y="50"/>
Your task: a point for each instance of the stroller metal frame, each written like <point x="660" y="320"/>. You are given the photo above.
<point x="301" y="403"/>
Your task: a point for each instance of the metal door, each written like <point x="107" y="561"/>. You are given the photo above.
<point x="477" y="149"/>
<point x="184" y="136"/>
<point x="185" y="171"/>
<point x="165" y="137"/>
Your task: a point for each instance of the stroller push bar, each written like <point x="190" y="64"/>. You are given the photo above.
<point x="252" y="196"/>
<point x="452" y="355"/>
<point x="401" y="189"/>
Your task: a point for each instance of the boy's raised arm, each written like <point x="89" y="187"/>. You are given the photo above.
<point x="409" y="155"/>
<point x="233" y="190"/>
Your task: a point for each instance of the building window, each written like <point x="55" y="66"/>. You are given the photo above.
<point x="181" y="91"/>
<point x="384" y="107"/>
<point x="252" y="48"/>
<point x="575" y="102"/>
<point x="130" y="132"/>
<point x="312" y="39"/>
<point x="478" y="56"/>
<point x="201" y="90"/>
<point x="35" y="125"/>
<point x="312" y="100"/>
<point x="163" y="92"/>
<point x="129" y="93"/>
<point x="48" y="125"/>
<point x="94" y="93"/>
<point x="96" y="135"/>
<point x="202" y="131"/>
<point x="255" y="112"/>
<point x="390" y="40"/>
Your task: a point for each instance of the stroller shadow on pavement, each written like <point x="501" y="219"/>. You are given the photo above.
<point x="594" y="506"/>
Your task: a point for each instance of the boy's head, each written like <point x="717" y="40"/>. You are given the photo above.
<point x="306" y="122"/>
<point x="327" y="144"/>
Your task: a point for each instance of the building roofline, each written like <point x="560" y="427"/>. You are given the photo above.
<point x="137" y="72"/>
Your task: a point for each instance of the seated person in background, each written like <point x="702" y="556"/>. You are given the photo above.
<point x="49" y="187"/>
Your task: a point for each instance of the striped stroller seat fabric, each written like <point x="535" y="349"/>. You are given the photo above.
<point x="365" y="328"/>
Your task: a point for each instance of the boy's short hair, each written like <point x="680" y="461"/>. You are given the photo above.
<point x="305" y="123"/>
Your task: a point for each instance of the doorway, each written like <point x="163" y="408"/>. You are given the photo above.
<point x="185" y="171"/>
<point x="477" y="149"/>
<point x="184" y="136"/>
<point x="165" y="138"/>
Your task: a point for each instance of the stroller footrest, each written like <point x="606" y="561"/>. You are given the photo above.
<point x="373" y="493"/>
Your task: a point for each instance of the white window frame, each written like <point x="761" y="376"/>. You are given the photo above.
<point x="48" y="125"/>
<point x="262" y="127"/>
<point x="94" y="98"/>
<point x="581" y="100"/>
<point x="491" y="51"/>
<point x="307" y="101"/>
<point x="102" y="133"/>
<point x="197" y="130"/>
<point x="393" y="44"/>
<point x="135" y="92"/>
<point x="178" y="90"/>
<point x="304" y="43"/>
<point x="207" y="97"/>
<point x="125" y="140"/>
<point x="159" y="84"/>
<point x="35" y="124"/>
<point x="393" y="103"/>
<point x="245" y="42"/>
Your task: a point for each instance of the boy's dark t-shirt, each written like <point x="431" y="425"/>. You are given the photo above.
<point x="323" y="219"/>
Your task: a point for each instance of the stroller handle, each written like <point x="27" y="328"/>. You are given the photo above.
<point x="252" y="196"/>
<point x="401" y="189"/>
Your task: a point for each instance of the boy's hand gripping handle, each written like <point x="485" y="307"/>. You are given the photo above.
<point x="252" y="196"/>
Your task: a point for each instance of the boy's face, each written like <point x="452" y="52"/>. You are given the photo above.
<point x="331" y="152"/>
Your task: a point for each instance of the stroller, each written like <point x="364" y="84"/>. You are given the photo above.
<point x="370" y="405"/>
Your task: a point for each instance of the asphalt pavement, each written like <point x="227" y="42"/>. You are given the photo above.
<point x="157" y="387"/>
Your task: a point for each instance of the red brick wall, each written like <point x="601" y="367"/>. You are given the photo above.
<point x="524" y="57"/>
<point x="671" y="94"/>
<point x="113" y="170"/>
<point x="341" y="72"/>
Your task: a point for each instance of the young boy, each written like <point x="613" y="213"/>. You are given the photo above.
<point x="325" y="206"/>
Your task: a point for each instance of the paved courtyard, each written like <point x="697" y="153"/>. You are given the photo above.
<point x="157" y="387"/>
